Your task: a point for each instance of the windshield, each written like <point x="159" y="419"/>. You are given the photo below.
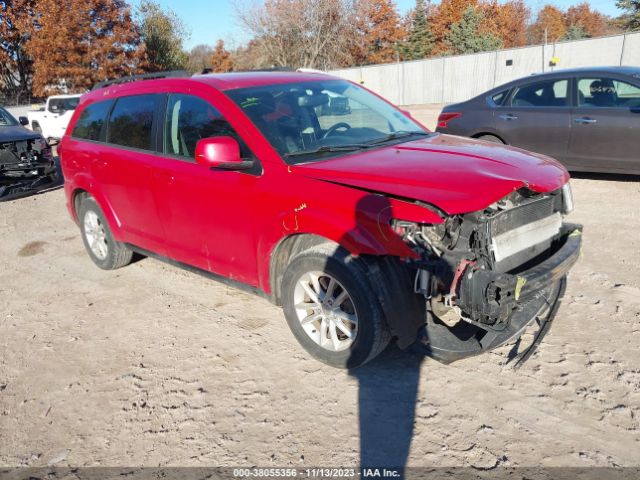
<point x="309" y="121"/>
<point x="6" y="120"/>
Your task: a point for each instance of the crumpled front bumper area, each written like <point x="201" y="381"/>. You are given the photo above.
<point x="538" y="292"/>
<point x="11" y="187"/>
<point x="26" y="167"/>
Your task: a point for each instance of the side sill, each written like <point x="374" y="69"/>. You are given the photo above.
<point x="204" y="273"/>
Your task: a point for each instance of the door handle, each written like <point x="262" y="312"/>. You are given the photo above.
<point x="508" y="116"/>
<point x="585" y="120"/>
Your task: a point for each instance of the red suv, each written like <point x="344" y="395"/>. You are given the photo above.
<point x="358" y="221"/>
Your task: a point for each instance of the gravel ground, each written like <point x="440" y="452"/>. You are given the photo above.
<point x="151" y="365"/>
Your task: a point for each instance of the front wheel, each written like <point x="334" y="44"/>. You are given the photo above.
<point x="103" y="249"/>
<point x="331" y="309"/>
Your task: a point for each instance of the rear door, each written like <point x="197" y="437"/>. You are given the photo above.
<point x="605" y="133"/>
<point x="537" y="117"/>
<point x="124" y="169"/>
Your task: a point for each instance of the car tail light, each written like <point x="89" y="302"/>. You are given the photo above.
<point x="446" y="117"/>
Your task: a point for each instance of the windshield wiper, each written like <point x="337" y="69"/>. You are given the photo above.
<point x="330" y="148"/>
<point x="397" y="135"/>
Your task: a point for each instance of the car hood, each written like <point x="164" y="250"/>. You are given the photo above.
<point x="16" y="133"/>
<point x="455" y="174"/>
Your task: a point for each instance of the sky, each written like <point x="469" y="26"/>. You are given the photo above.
<point x="209" y="20"/>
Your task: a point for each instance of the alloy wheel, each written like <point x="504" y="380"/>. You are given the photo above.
<point x="326" y="311"/>
<point x="95" y="233"/>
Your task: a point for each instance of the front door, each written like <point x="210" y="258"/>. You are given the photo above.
<point x="605" y="134"/>
<point x="537" y="117"/>
<point x="208" y="215"/>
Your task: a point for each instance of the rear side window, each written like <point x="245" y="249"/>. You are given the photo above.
<point x="498" y="98"/>
<point x="92" y="118"/>
<point x="550" y="93"/>
<point x="131" y="122"/>
<point x="61" y="105"/>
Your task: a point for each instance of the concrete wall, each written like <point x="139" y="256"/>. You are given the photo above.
<point x="457" y="78"/>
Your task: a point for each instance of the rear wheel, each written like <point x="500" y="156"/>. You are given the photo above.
<point x="330" y="308"/>
<point x="105" y="252"/>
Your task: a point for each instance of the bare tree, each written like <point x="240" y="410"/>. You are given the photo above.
<point x="200" y="58"/>
<point x="299" y="33"/>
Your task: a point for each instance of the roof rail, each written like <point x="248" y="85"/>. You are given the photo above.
<point x="144" y="76"/>
<point x="268" y="69"/>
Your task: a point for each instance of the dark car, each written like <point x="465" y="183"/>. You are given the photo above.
<point x="26" y="162"/>
<point x="587" y="118"/>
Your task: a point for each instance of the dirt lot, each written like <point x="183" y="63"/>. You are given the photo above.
<point x="151" y="365"/>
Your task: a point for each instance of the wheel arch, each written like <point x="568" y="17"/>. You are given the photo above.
<point x="283" y="252"/>
<point x="81" y="192"/>
<point x="493" y="134"/>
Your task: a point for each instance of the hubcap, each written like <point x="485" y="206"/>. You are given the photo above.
<point x="95" y="234"/>
<point x="325" y="311"/>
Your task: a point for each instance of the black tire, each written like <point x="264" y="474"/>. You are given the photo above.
<point x="372" y="332"/>
<point x="490" y="138"/>
<point x="117" y="254"/>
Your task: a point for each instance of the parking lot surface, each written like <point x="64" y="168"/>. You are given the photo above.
<point x="152" y="365"/>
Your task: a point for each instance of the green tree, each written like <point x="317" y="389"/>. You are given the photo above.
<point x="420" y="41"/>
<point x="465" y="35"/>
<point x="575" y="32"/>
<point x="631" y="17"/>
<point x="163" y="33"/>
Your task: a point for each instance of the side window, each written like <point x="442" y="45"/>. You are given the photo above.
<point x="499" y="97"/>
<point x="92" y="118"/>
<point x="551" y="93"/>
<point x="131" y="122"/>
<point x="55" y="105"/>
<point x="190" y="119"/>
<point x="606" y="92"/>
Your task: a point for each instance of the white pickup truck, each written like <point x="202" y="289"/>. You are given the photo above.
<point x="51" y="120"/>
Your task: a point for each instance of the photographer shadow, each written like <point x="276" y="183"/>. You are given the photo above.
<point x="388" y="385"/>
<point x="387" y="397"/>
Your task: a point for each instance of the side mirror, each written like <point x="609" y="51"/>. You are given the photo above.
<point x="220" y="153"/>
<point x="24" y="121"/>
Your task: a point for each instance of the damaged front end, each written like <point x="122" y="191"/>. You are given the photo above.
<point x="487" y="275"/>
<point x="26" y="166"/>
